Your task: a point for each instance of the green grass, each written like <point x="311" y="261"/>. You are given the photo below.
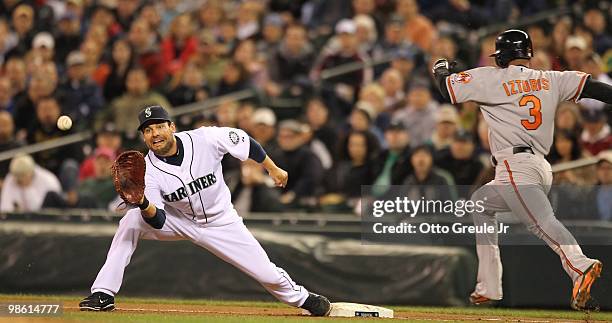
<point x="245" y="318"/>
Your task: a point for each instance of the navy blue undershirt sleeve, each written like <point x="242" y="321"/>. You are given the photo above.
<point x="597" y="90"/>
<point x="441" y="81"/>
<point x="158" y="220"/>
<point x="256" y="151"/>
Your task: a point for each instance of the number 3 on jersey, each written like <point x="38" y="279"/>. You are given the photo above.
<point x="534" y="111"/>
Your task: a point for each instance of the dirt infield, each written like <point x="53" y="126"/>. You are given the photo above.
<point x="160" y="310"/>
<point x="184" y="309"/>
<point x="179" y="309"/>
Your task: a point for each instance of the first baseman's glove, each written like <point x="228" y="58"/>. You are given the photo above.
<point x="442" y="67"/>
<point x="128" y="172"/>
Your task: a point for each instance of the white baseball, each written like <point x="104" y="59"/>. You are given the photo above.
<point x="64" y="123"/>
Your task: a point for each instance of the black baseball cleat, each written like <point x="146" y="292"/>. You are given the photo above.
<point x="97" y="301"/>
<point x="317" y="305"/>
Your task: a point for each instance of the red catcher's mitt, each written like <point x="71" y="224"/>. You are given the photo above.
<point x="128" y="174"/>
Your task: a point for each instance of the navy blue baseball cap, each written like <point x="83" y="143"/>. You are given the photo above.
<point x="593" y="115"/>
<point x="464" y="136"/>
<point x="274" y="19"/>
<point x="152" y="114"/>
<point x="396" y="125"/>
<point x="405" y="53"/>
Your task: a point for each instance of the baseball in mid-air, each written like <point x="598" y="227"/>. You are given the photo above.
<point x="64" y="123"/>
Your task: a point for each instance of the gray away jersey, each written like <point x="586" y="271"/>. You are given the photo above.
<point x="518" y="103"/>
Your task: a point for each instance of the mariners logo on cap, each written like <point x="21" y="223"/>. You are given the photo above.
<point x="152" y="114"/>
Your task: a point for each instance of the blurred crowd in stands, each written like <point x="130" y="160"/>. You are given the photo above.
<point x="331" y="121"/>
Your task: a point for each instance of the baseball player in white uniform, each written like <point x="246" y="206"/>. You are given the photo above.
<point x="519" y="104"/>
<point x="186" y="198"/>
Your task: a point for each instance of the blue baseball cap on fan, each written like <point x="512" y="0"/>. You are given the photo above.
<point x="593" y="115"/>
<point x="274" y="19"/>
<point x="405" y="53"/>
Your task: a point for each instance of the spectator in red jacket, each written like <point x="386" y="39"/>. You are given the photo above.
<point x="180" y="43"/>
<point x="148" y="55"/>
<point x="596" y="136"/>
<point x="108" y="137"/>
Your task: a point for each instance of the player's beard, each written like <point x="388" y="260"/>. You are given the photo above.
<point x="165" y="149"/>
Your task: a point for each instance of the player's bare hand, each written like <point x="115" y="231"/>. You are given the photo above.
<point x="279" y="176"/>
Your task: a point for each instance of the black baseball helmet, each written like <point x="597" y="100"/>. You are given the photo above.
<point x="512" y="44"/>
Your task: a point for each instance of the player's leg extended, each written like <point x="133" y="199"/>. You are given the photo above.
<point x="526" y="196"/>
<point x="527" y="199"/>
<point x="131" y="228"/>
<point x="236" y="245"/>
<point x="489" y="279"/>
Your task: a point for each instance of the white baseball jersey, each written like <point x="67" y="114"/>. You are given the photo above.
<point x="198" y="208"/>
<point x="196" y="189"/>
<point x="518" y="103"/>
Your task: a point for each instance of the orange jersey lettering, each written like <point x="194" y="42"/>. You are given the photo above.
<point x="513" y="87"/>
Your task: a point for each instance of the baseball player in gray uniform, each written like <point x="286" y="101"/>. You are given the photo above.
<point x="186" y="198"/>
<point x="519" y="104"/>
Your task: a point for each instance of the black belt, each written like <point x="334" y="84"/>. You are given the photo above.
<point x="515" y="150"/>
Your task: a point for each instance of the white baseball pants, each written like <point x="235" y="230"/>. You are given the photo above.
<point x="231" y="242"/>
<point x="521" y="185"/>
